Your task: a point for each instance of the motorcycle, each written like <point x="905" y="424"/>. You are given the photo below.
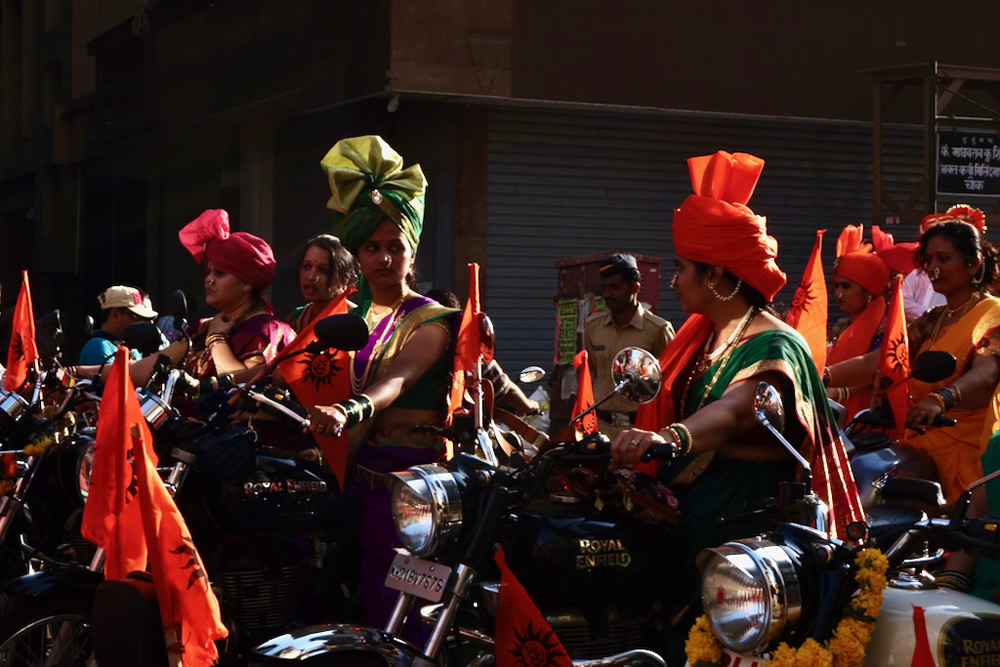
<point x="796" y="583"/>
<point x="580" y="538"/>
<point x="259" y="516"/>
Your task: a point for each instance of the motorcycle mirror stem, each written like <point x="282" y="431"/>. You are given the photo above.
<point x="770" y="413"/>
<point x="962" y="504"/>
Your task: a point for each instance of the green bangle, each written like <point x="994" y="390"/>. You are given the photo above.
<point x="366" y="406"/>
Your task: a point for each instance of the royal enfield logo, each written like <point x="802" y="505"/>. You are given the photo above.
<point x="283" y="486"/>
<point x="602" y="553"/>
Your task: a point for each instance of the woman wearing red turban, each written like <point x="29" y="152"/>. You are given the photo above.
<point x="238" y="267"/>
<point x="859" y="279"/>
<point x="727" y="463"/>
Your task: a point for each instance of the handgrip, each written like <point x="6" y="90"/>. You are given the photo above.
<point x="660" y="451"/>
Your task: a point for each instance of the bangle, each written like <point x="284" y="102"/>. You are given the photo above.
<point x="367" y="407"/>
<point x="685" y="440"/>
<point x="956" y="394"/>
<point x="940" y="400"/>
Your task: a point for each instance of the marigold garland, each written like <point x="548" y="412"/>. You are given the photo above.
<point x="846" y="648"/>
<point x="38" y="447"/>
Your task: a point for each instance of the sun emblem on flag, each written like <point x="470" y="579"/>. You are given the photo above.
<point x="320" y="369"/>
<point x="804" y="295"/>
<point x="17" y="345"/>
<point x="194" y="562"/>
<point x="899" y="357"/>
<point x="535" y="648"/>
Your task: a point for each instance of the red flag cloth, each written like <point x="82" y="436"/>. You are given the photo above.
<point x="922" y="656"/>
<point x="809" y="305"/>
<point x="467" y="349"/>
<point x="189" y="609"/>
<point x="321" y="379"/>
<point x="522" y="636"/>
<point x="894" y="361"/>
<point x="23" y="351"/>
<point x="584" y="393"/>
<point x="111" y="517"/>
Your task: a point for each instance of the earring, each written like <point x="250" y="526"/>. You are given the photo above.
<point x="673" y="282"/>
<point x="729" y="297"/>
<point x="978" y="280"/>
<point x="936" y="273"/>
<point x="870" y="299"/>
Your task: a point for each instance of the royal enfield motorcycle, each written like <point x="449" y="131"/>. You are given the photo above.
<point x="260" y="517"/>
<point x="795" y="584"/>
<point x="585" y="542"/>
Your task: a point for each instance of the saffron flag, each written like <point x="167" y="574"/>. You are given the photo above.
<point x="809" y="305"/>
<point x="321" y="379"/>
<point x="23" y="352"/>
<point x="189" y="609"/>
<point x="111" y="517"/>
<point x="522" y="636"/>
<point x="467" y="348"/>
<point x="584" y="393"/>
<point x="894" y="360"/>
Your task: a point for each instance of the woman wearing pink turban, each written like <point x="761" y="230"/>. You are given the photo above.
<point x="238" y="267"/>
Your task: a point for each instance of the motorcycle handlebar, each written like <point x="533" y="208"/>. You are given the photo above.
<point x="660" y="451"/>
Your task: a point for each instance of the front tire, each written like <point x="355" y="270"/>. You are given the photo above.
<point x="50" y="630"/>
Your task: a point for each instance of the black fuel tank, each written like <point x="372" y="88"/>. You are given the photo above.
<point x="562" y="551"/>
<point x="283" y="495"/>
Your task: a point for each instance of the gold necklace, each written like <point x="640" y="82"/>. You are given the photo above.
<point x="374" y="318"/>
<point x="731" y="345"/>
<point x="949" y="312"/>
<point x="358" y="384"/>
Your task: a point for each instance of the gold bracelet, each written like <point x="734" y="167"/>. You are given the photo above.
<point x="675" y="440"/>
<point x="685" y="433"/>
<point x="940" y="400"/>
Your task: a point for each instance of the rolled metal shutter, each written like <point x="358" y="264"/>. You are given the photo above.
<point x="567" y="183"/>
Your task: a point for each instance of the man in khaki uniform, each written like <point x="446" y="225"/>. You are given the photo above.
<point x="625" y="323"/>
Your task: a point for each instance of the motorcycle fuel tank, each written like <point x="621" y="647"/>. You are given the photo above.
<point x="564" y="550"/>
<point x="282" y="495"/>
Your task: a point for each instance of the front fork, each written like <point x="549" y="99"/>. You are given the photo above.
<point x="461" y="581"/>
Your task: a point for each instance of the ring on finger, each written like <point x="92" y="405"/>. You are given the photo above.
<point x="635" y="442"/>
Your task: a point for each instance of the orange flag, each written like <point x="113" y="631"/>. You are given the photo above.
<point x="522" y="637"/>
<point x="894" y="360"/>
<point x="23" y="352"/>
<point x="321" y="379"/>
<point x="111" y="517"/>
<point x="189" y="609"/>
<point x="467" y="349"/>
<point x="922" y="654"/>
<point x="584" y="393"/>
<point x="809" y="305"/>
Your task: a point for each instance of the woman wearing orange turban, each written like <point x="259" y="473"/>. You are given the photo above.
<point x="726" y="462"/>
<point x="859" y="279"/>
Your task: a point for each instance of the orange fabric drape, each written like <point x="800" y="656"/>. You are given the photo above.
<point x="523" y="637"/>
<point x="111" y="517"/>
<point x="23" y="352"/>
<point x="894" y="360"/>
<point x="321" y="379"/>
<point x="855" y="341"/>
<point x="809" y="305"/>
<point x="584" y="393"/>
<point x="467" y="347"/>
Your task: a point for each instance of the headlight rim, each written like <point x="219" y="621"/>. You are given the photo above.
<point x="445" y="501"/>
<point x="777" y="567"/>
<point x="86" y="455"/>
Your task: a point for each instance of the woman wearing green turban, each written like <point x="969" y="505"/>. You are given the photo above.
<point x="402" y="377"/>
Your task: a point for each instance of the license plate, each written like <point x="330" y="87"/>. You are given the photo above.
<point x="417" y="576"/>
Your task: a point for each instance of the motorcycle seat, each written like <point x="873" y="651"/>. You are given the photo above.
<point x="887" y="522"/>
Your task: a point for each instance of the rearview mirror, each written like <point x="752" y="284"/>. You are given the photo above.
<point x="642" y="371"/>
<point x="342" y="332"/>
<point x="933" y="366"/>
<point x="179" y="309"/>
<point x="531" y="374"/>
<point x="487" y="338"/>
<point x="142" y="336"/>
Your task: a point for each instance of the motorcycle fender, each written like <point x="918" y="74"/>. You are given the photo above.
<point x="49" y="582"/>
<point x="306" y="643"/>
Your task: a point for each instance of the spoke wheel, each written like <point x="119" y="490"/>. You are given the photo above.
<point x="46" y="632"/>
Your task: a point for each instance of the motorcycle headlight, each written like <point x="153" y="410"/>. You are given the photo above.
<point x="750" y="592"/>
<point x="84" y="465"/>
<point x="426" y="507"/>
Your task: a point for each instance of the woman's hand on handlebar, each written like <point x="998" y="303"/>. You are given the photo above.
<point x="923" y="412"/>
<point x="326" y="419"/>
<point x="631" y="444"/>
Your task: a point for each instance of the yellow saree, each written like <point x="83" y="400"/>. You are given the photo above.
<point x="957" y="449"/>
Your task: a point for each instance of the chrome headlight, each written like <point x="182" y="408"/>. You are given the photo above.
<point x="84" y="465"/>
<point x="426" y="507"/>
<point x="750" y="592"/>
